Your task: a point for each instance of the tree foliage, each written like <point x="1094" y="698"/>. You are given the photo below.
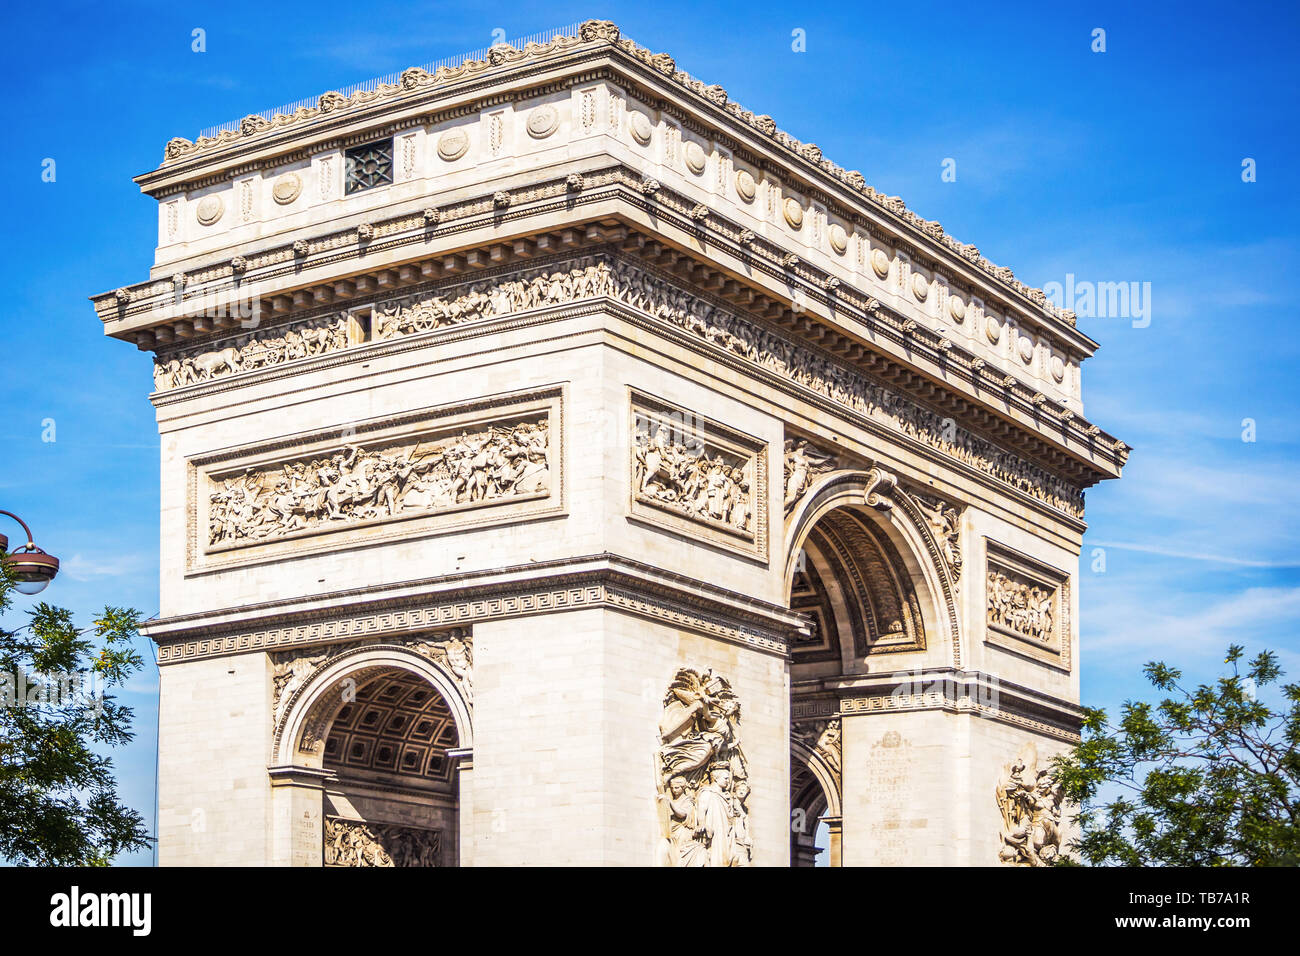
<point x="1207" y="777"/>
<point x="58" y="797"/>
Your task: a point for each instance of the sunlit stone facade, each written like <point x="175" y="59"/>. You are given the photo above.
<point x="563" y="465"/>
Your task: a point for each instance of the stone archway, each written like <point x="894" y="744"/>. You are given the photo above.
<point x="876" y="574"/>
<point x="880" y="563"/>
<point x="815" y="791"/>
<point x="370" y="763"/>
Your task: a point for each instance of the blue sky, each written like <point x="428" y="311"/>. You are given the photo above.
<point x="1117" y="166"/>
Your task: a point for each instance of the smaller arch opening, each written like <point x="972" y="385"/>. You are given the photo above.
<point x="398" y="725"/>
<point x="815" y="800"/>
<point x="389" y="736"/>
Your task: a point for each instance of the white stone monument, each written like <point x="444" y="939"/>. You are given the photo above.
<point x="563" y="465"/>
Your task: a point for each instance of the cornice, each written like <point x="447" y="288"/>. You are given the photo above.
<point x="344" y="250"/>
<point x="946" y="689"/>
<point x="459" y="600"/>
<point x="418" y="88"/>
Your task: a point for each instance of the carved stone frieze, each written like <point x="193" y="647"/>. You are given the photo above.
<point x="639" y="288"/>
<point x="363" y="843"/>
<point x="492" y="463"/>
<point x="252" y="350"/>
<point x="1029" y="800"/>
<point x="533" y="289"/>
<point x="701" y="776"/>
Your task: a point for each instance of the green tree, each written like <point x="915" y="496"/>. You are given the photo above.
<point x="1208" y="777"/>
<point x="58" y="797"/>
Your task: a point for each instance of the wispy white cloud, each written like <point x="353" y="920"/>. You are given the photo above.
<point x="81" y="567"/>
<point x="1134" y="624"/>
<point x="1192" y="556"/>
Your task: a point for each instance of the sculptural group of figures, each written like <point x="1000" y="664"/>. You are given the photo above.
<point x="585" y="279"/>
<point x="357" y="484"/>
<point x="677" y="470"/>
<point x="255" y="350"/>
<point x="1020" y="607"/>
<point x="701" y="775"/>
<point x="1030" y="800"/>
<point x="355" y="843"/>
<point x="590" y="277"/>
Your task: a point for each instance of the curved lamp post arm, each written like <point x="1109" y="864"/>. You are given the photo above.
<point x="30" y="545"/>
<point x="31" y="567"/>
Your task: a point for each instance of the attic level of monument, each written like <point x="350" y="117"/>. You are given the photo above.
<point x="595" y="50"/>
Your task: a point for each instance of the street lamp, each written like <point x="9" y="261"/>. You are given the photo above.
<point x="31" y="566"/>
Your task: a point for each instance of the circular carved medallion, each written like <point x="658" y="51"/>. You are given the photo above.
<point x="209" y="210"/>
<point x="746" y="188"/>
<point x="957" y="309"/>
<point x="543" y="121"/>
<point x="992" y="328"/>
<point x="793" y="213"/>
<point x="1058" y="368"/>
<point x="839" y="238"/>
<point x="880" y="262"/>
<point x="453" y="144"/>
<point x="287" y="188"/>
<point x="920" y="287"/>
<point x="1026" y="347"/>
<point x="695" y="158"/>
<point x="638" y="124"/>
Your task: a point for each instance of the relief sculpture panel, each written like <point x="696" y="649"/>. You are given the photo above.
<point x="1029" y="800"/>
<point x="701" y="774"/>
<point x="360" y="843"/>
<point x="468" y="464"/>
<point x="1027" y="606"/>
<point x="688" y="471"/>
<point x="356" y="484"/>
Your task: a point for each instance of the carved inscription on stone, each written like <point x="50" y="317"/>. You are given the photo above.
<point x="676" y="468"/>
<point x="701" y="774"/>
<point x="1029" y="799"/>
<point x="358" y="843"/>
<point x="486" y="464"/>
<point x="894" y="831"/>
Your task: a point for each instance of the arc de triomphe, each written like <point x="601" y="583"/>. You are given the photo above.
<point x="563" y="464"/>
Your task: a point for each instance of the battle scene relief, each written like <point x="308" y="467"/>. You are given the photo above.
<point x="478" y="465"/>
<point x="676" y="468"/>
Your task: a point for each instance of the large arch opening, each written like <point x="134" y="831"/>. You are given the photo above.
<point x="860" y="563"/>
<point x="384" y="729"/>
